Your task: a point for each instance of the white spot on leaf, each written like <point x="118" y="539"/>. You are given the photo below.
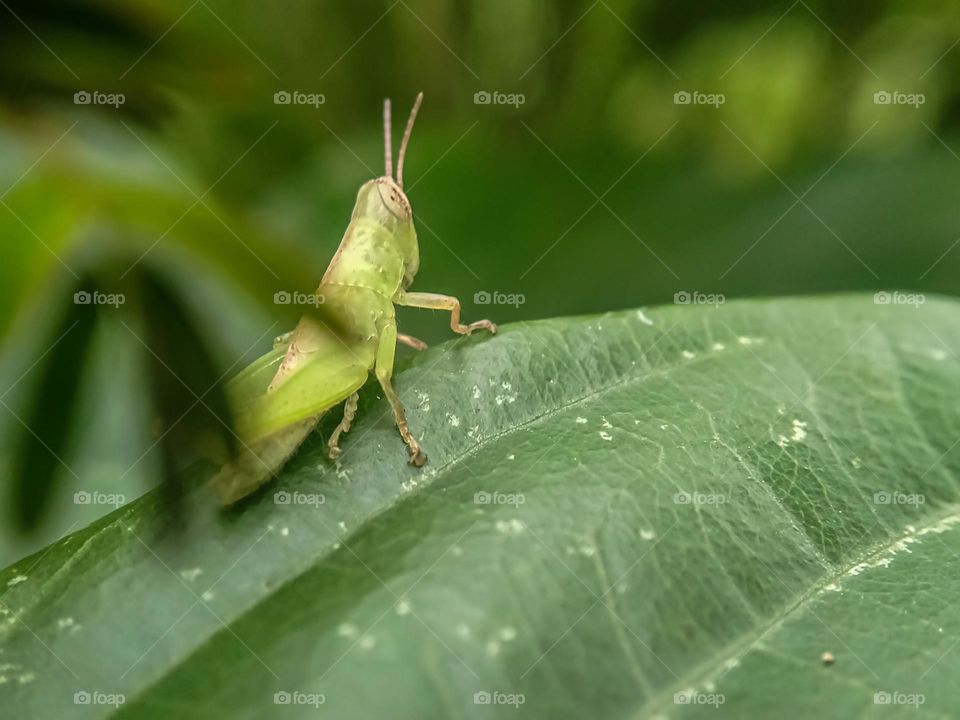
<point x="424" y="401"/>
<point x="347" y="630"/>
<point x="799" y="433"/>
<point x="510" y="527"/>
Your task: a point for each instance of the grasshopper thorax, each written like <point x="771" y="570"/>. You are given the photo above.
<point x="382" y="201"/>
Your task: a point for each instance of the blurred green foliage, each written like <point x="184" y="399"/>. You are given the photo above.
<point x="598" y="192"/>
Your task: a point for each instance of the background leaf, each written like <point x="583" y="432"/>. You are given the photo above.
<point x="45" y="432"/>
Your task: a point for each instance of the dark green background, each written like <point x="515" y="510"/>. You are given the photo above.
<point x="506" y="198"/>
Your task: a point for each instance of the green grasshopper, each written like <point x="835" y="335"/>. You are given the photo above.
<point x="279" y="399"/>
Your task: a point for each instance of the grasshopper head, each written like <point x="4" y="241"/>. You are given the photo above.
<point x="383" y="199"/>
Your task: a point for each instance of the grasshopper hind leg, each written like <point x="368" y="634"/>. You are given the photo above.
<point x="283" y="341"/>
<point x="349" y="413"/>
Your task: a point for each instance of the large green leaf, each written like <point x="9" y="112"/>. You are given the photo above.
<point x="712" y="498"/>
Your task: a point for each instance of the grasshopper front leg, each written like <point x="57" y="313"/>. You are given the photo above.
<point x="384" y="371"/>
<point x="435" y="301"/>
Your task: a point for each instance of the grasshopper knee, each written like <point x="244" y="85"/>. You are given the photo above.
<point x="281" y="341"/>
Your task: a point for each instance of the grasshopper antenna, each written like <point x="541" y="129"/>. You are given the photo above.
<point x="406" y="138"/>
<point x="387" y="149"/>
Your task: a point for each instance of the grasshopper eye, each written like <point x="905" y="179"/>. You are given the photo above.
<point x="394" y="200"/>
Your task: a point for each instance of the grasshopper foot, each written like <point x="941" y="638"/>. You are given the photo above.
<point x="418" y="458"/>
<point x="349" y="412"/>
<point x="481" y="325"/>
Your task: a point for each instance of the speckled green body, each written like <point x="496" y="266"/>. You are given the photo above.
<point x="280" y="398"/>
<point x="377" y="259"/>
